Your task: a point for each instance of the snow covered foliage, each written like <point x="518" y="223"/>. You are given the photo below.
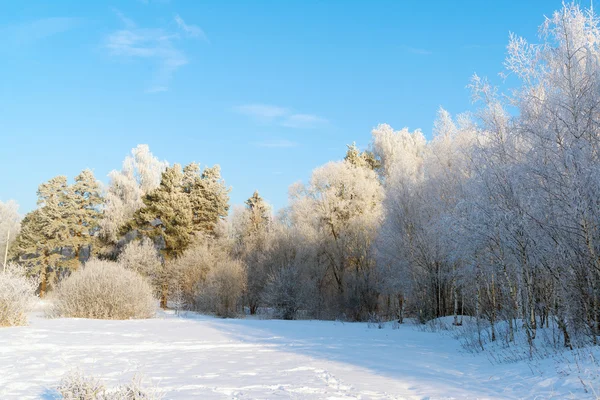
<point x="497" y="216"/>
<point x="141" y="173"/>
<point x="103" y="290"/>
<point x="284" y="292"/>
<point x="221" y="292"/>
<point x="10" y="224"/>
<point x="77" y="386"/>
<point x="141" y="256"/>
<point x="336" y="217"/>
<point x="17" y="295"/>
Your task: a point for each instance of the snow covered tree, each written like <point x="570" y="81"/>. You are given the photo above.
<point x="251" y="226"/>
<point x="365" y="159"/>
<point x="259" y="213"/>
<point x="166" y="218"/>
<point x="142" y="257"/>
<point x="338" y="213"/>
<point x="209" y="197"/>
<point x="87" y="200"/>
<point x="10" y="224"/>
<point x="140" y="174"/>
<point x="46" y="231"/>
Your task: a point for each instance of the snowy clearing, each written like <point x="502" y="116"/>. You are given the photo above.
<point x="200" y="357"/>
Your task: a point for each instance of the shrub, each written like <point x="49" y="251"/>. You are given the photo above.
<point x="223" y="289"/>
<point x="284" y="292"/>
<point x="103" y="290"/>
<point x="191" y="268"/>
<point x="76" y="386"/>
<point x="17" y="296"/>
<point x="142" y="257"/>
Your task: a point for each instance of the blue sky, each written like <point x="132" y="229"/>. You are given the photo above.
<point x="267" y="89"/>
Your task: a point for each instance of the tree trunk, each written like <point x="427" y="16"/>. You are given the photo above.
<point x="164" y="295"/>
<point x="43" y="283"/>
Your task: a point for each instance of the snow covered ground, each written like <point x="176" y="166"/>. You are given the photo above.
<point x="199" y="357"/>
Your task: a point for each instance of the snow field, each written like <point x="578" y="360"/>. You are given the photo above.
<point x="200" y="357"/>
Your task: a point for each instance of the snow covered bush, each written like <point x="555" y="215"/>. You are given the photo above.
<point x="284" y="293"/>
<point x="191" y="268"/>
<point x="223" y="289"/>
<point x="104" y="290"/>
<point x="17" y="295"/>
<point x="142" y="257"/>
<point x="76" y="386"/>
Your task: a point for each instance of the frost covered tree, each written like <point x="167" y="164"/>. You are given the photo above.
<point x="10" y="224"/>
<point x="166" y="218"/>
<point x="209" y="197"/>
<point x="140" y="174"/>
<point x="338" y="214"/>
<point x="45" y="231"/>
<point x="86" y="215"/>
<point x="142" y="257"/>
<point x="252" y="238"/>
<point x="365" y="159"/>
<point x="60" y="233"/>
<point x="559" y="144"/>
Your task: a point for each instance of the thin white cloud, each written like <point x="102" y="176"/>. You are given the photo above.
<point x="191" y="30"/>
<point x="262" y="111"/>
<point x="303" y="121"/>
<point x="279" y="143"/>
<point x="281" y="116"/>
<point x="33" y="31"/>
<point x="418" y="51"/>
<point x="156" y="45"/>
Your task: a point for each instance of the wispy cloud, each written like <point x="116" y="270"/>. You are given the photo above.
<point x="157" y="45"/>
<point x="278" y="143"/>
<point x="281" y="116"/>
<point x="33" y="31"/>
<point x="262" y="111"/>
<point x="191" y="30"/>
<point x="418" y="51"/>
<point x="303" y="121"/>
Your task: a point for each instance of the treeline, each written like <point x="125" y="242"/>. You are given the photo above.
<point x="496" y="217"/>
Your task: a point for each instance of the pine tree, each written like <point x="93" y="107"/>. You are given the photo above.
<point x="87" y="199"/>
<point x="45" y="232"/>
<point x="166" y="218"/>
<point x="209" y="197"/>
<point x="255" y="240"/>
<point x="260" y="213"/>
<point x="365" y="159"/>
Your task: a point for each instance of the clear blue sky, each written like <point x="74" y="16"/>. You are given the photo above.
<point x="267" y="89"/>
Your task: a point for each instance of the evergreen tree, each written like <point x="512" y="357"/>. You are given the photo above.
<point x="166" y="218"/>
<point x="365" y="159"/>
<point x="259" y="213"/>
<point x="209" y="197"/>
<point x="46" y="231"/>
<point x="86" y="216"/>
<point x="256" y="220"/>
